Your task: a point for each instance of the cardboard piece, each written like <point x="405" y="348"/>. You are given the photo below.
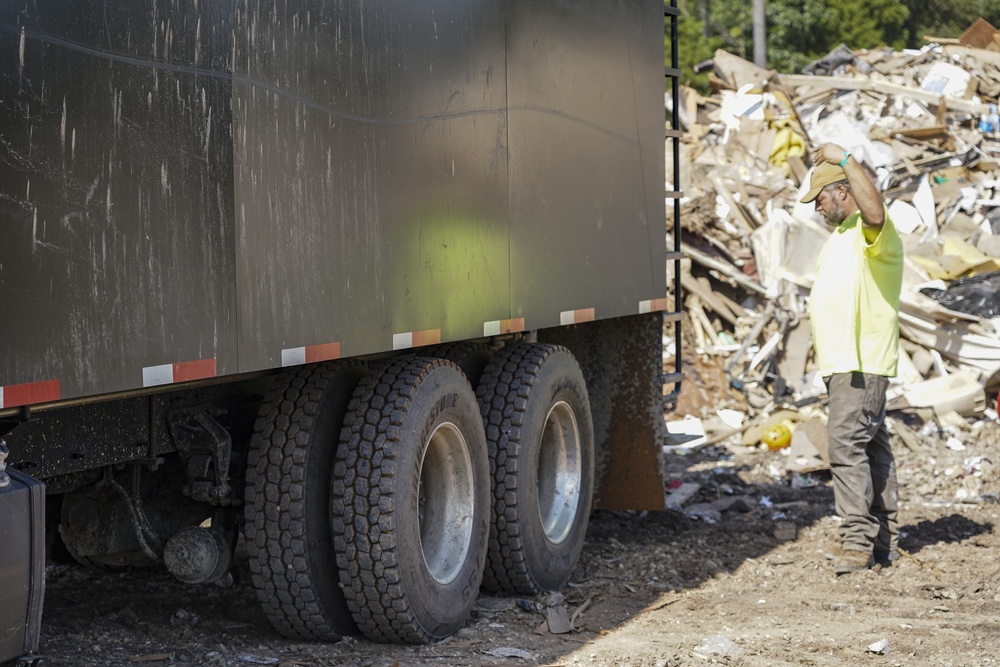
<point x="809" y="449"/>
<point x="980" y="35"/>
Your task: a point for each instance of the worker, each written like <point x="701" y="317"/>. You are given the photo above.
<point x="854" y="310"/>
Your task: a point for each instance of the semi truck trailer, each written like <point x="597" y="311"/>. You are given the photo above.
<point x="375" y="290"/>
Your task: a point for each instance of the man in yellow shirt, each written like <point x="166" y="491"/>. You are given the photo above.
<point x="854" y="310"/>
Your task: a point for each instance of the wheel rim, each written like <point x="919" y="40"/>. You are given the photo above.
<point x="559" y="472"/>
<point x="446" y="503"/>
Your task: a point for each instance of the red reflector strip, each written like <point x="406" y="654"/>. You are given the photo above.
<point x="577" y="316"/>
<point x="652" y="305"/>
<point x="408" y="339"/>
<point x="310" y="354"/>
<point x="182" y="371"/>
<point x="497" y="327"/>
<point x="29" y="393"/>
<point x="194" y="370"/>
<point x="325" y="352"/>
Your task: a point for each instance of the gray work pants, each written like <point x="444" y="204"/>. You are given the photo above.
<point x="863" y="467"/>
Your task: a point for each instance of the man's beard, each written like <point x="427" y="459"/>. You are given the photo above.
<point x="835" y="216"/>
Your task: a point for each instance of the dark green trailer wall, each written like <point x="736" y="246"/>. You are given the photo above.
<point x="200" y="189"/>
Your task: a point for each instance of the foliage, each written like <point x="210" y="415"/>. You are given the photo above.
<point x="698" y="43"/>
<point x="800" y="31"/>
<point x="946" y="19"/>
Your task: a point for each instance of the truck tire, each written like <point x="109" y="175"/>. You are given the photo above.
<point x="410" y="509"/>
<point x="287" y="526"/>
<point x="470" y="357"/>
<point x="540" y="437"/>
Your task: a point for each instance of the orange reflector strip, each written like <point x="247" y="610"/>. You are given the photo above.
<point x="324" y="352"/>
<point x="194" y="370"/>
<point x="652" y="305"/>
<point x="577" y="316"/>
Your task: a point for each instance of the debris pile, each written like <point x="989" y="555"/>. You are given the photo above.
<point x="925" y="125"/>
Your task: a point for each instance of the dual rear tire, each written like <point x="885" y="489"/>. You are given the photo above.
<point x="381" y="500"/>
<point x="536" y="410"/>
<point x="410" y="502"/>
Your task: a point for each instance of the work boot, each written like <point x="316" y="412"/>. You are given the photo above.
<point x="831" y="551"/>
<point x="885" y="558"/>
<point x="851" y="560"/>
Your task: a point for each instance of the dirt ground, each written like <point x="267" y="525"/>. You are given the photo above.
<point x="664" y="589"/>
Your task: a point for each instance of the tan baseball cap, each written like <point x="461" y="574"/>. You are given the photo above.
<point x="826" y="173"/>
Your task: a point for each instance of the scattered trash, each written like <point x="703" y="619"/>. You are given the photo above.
<point x="556" y="617"/>
<point x="974" y="465"/>
<point x="687" y="432"/>
<point x="954" y="444"/>
<point x="681" y="495"/>
<point x="881" y="647"/>
<point x="800" y="481"/>
<point x="716" y="645"/>
<point x="778" y="436"/>
<point x="507" y="652"/>
<point x="706" y="512"/>
<point x="258" y="660"/>
<point x="785" y="531"/>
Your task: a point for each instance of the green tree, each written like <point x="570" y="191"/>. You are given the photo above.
<point x="698" y="41"/>
<point x="946" y="19"/>
<point x="801" y="31"/>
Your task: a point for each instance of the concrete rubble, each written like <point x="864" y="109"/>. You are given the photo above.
<point x="924" y="123"/>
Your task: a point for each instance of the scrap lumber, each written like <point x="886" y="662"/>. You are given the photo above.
<point x="885" y="87"/>
<point x="721" y="267"/>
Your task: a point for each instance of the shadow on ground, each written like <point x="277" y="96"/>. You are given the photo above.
<point x="649" y="553"/>
<point x="948" y="529"/>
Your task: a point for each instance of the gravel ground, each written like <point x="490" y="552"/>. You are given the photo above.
<point x="666" y="589"/>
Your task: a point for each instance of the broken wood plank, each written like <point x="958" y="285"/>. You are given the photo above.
<point x="942" y="40"/>
<point x="980" y="54"/>
<point x="699" y="333"/>
<point x="729" y="271"/>
<point x="681" y="495"/>
<point x="710" y="298"/>
<point x="739" y="213"/>
<point x="907" y="437"/>
<point x="924" y="133"/>
<point x="885" y="87"/>
<point x="698" y="313"/>
<point x="738" y="72"/>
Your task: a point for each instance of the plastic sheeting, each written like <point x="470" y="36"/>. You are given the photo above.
<point x="978" y="295"/>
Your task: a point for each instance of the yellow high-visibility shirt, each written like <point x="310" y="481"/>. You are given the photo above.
<point x="854" y="304"/>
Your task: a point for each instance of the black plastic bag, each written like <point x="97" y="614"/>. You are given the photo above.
<point x="978" y="295"/>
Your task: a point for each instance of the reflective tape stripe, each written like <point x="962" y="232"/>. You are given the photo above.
<point x="497" y="327"/>
<point x="156" y="375"/>
<point x="652" y="305"/>
<point x="310" y="354"/>
<point x="576" y="316"/>
<point x="194" y="370"/>
<point x="29" y="393"/>
<point x="183" y="371"/>
<point x="408" y="339"/>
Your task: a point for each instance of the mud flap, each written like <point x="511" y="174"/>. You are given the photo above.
<point x="22" y="563"/>
<point x="622" y="363"/>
